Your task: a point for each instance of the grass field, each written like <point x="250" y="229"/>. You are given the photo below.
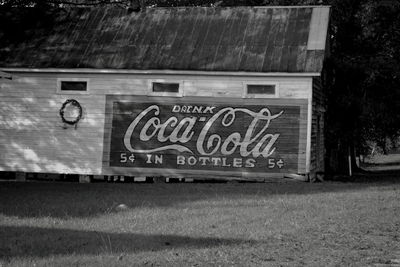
<point x="255" y="224"/>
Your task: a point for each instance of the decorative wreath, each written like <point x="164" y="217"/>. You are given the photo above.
<point x="75" y="105"/>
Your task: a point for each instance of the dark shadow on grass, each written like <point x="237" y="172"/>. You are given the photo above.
<point x="70" y="200"/>
<point x="370" y="164"/>
<point x="45" y="242"/>
<point x="378" y="177"/>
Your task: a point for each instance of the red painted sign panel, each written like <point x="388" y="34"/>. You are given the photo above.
<point x="200" y="135"/>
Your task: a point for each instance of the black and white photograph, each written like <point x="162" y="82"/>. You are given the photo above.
<point x="199" y="133"/>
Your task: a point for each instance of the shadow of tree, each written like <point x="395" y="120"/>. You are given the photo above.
<point x="44" y="242"/>
<point x="70" y="200"/>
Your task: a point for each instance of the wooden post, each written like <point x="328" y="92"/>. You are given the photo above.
<point x="139" y="179"/>
<point x="20" y="176"/>
<point x="350" y="170"/>
<point x="159" y="179"/>
<point x="84" y="179"/>
<point x="5" y="75"/>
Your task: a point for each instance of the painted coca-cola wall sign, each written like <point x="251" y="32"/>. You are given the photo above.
<point x="202" y="134"/>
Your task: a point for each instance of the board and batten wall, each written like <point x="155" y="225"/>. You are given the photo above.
<point x="317" y="159"/>
<point x="32" y="136"/>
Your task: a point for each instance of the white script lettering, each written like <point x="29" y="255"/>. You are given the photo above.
<point x="255" y="141"/>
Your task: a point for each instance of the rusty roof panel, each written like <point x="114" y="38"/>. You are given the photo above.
<point x="292" y="60"/>
<point x="301" y="58"/>
<point x="254" y="39"/>
<point x="303" y="28"/>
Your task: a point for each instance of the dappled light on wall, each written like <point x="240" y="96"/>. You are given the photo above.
<point x="32" y="138"/>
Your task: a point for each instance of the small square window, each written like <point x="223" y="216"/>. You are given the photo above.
<point x="73" y="86"/>
<point x="262" y="89"/>
<point x="166" y="87"/>
<point x="161" y="87"/>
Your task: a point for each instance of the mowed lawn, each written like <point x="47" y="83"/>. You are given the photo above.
<point x="233" y="224"/>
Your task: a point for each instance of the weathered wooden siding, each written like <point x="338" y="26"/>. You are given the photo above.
<point x="32" y="138"/>
<point x="318" y="127"/>
<point x="288" y="122"/>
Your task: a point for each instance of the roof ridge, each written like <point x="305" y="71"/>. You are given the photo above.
<point x="232" y="7"/>
<point x="207" y="7"/>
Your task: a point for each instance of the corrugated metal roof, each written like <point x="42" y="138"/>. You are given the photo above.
<point x="192" y="38"/>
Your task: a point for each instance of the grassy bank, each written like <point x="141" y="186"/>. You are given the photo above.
<point x="288" y="224"/>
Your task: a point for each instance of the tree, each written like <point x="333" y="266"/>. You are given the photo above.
<point x="381" y="34"/>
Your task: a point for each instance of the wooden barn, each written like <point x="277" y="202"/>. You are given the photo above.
<point x="175" y="92"/>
